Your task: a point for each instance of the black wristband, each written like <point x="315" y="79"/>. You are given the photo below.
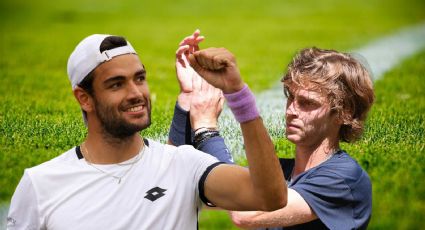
<point x="180" y="130"/>
<point x="216" y="147"/>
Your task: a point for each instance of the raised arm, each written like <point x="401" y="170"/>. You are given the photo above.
<point x="233" y="188"/>
<point x="205" y="107"/>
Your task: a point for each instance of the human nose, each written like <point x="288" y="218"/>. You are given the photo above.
<point x="134" y="90"/>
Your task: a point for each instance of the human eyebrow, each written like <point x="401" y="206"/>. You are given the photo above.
<point x="113" y="80"/>
<point x="308" y="100"/>
<point x="141" y="73"/>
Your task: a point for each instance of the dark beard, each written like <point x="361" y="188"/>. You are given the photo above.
<point x="117" y="127"/>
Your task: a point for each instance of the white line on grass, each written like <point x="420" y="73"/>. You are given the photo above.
<point x="382" y="55"/>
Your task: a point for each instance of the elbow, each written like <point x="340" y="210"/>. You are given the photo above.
<point x="279" y="201"/>
<point x="241" y="221"/>
<point x="275" y="204"/>
<point x="238" y="222"/>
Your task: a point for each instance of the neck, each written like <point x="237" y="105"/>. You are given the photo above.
<point x="309" y="156"/>
<point x="99" y="149"/>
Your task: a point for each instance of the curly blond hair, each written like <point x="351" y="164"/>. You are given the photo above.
<point x="341" y="78"/>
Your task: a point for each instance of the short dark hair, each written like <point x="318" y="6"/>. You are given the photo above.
<point x="108" y="43"/>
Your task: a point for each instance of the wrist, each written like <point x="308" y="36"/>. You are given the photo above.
<point x="236" y="87"/>
<point x="204" y="124"/>
<point x="202" y="135"/>
<point x="183" y="100"/>
<point x="242" y="104"/>
<point x="203" y="129"/>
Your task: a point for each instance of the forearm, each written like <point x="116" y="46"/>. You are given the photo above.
<point x="266" y="173"/>
<point x="263" y="187"/>
<point x="296" y="212"/>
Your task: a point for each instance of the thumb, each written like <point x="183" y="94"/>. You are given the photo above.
<point x="195" y="65"/>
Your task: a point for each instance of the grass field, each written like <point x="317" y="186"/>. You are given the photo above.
<point x="391" y="150"/>
<point x="39" y="118"/>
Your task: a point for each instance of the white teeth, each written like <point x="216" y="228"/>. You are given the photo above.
<point x="135" y="109"/>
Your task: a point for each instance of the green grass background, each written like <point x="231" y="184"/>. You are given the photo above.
<point x="39" y="117"/>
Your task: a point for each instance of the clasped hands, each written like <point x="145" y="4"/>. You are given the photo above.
<point x="203" y="76"/>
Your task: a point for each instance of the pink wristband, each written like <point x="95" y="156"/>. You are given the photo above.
<point x="242" y="104"/>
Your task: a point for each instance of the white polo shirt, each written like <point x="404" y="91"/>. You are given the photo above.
<point x="159" y="192"/>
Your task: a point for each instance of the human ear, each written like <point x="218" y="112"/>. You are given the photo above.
<point x="84" y="99"/>
<point x="337" y="116"/>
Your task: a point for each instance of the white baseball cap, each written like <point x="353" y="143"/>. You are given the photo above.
<point x="87" y="56"/>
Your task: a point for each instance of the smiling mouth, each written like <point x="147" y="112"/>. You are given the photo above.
<point x="135" y="109"/>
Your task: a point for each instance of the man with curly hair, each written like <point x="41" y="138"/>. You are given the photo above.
<point x="329" y="95"/>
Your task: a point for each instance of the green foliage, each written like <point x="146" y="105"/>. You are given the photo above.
<point x="391" y="151"/>
<point x="39" y="118"/>
<point x="393" y="147"/>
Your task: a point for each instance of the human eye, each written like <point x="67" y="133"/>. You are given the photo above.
<point x="115" y="85"/>
<point x="140" y="78"/>
<point x="308" y="104"/>
<point x="289" y="95"/>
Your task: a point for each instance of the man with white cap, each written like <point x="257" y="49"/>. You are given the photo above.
<point x="118" y="180"/>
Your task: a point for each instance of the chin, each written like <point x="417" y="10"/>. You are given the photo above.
<point x="145" y="125"/>
<point x="142" y="122"/>
<point x="294" y="138"/>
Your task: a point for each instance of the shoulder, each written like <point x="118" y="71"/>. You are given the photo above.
<point x="182" y="152"/>
<point x="339" y="177"/>
<point x="341" y="172"/>
<point x="65" y="159"/>
<point x="343" y="166"/>
<point x="338" y="190"/>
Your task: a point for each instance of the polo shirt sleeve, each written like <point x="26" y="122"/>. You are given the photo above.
<point x="199" y="165"/>
<point x="330" y="198"/>
<point x="23" y="210"/>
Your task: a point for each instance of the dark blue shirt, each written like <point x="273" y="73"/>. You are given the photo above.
<point x="338" y="190"/>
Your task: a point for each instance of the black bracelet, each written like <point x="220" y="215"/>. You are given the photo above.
<point x="207" y="128"/>
<point x="199" y="136"/>
<point x="204" y="136"/>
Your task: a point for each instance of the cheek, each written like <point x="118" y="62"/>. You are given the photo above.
<point x="144" y="89"/>
<point x="110" y="102"/>
<point x="314" y="122"/>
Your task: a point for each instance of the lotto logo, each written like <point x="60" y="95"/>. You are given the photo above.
<point x="155" y="193"/>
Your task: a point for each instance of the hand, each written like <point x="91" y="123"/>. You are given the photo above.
<point x="218" y="67"/>
<point x="184" y="71"/>
<point x="192" y="43"/>
<point x="206" y="105"/>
